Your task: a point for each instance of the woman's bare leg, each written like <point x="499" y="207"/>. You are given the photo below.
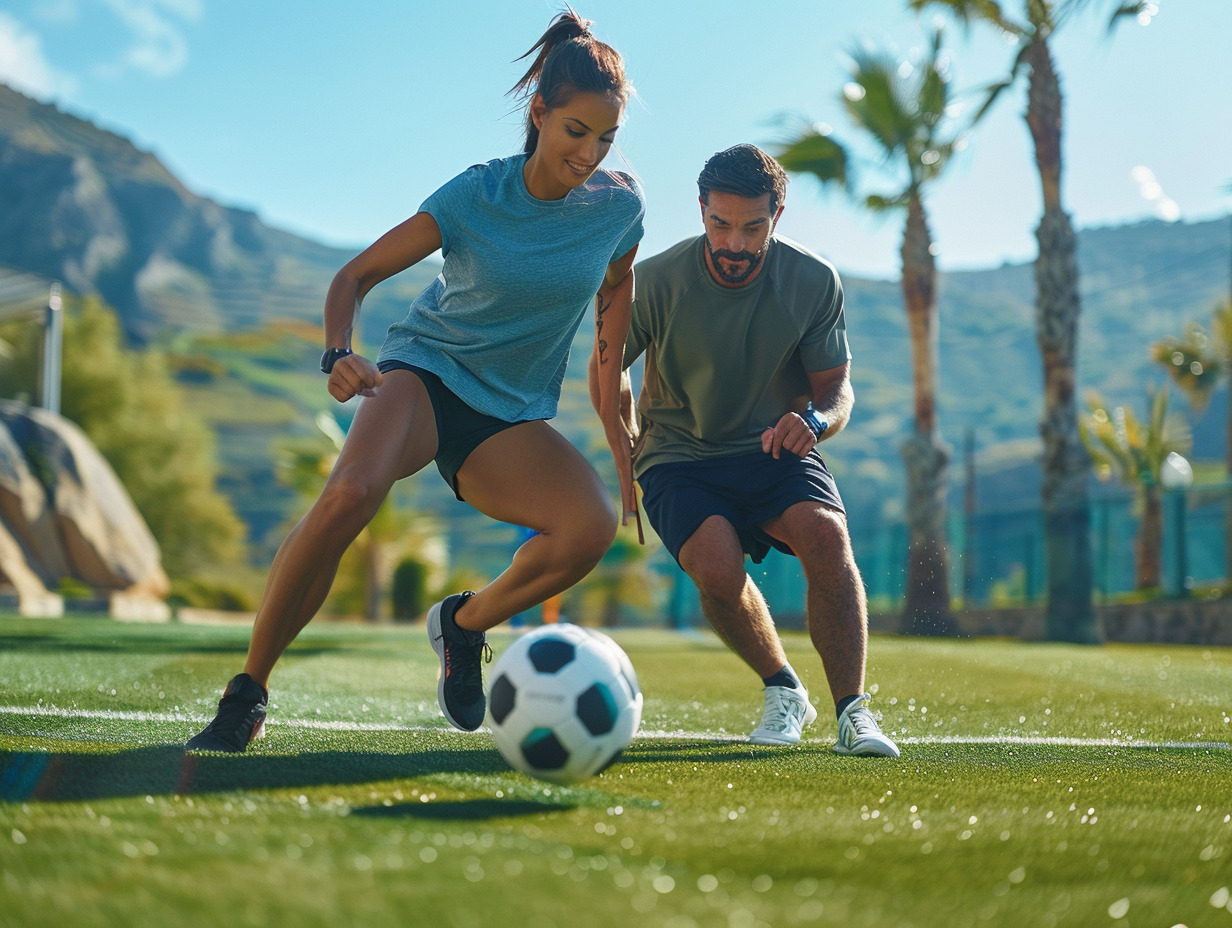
<point x="530" y="475"/>
<point x="393" y="435"/>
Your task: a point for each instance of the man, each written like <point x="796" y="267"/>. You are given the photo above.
<point x="747" y="370"/>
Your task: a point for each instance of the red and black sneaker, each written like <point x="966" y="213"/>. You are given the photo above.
<point x="240" y="719"/>
<point x="460" y="687"/>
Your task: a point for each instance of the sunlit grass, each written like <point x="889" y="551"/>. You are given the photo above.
<point x="1039" y="785"/>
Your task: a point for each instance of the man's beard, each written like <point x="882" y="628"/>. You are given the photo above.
<point x="753" y="258"/>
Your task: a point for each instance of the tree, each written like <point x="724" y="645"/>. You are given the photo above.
<point x="1197" y="363"/>
<point x="902" y="108"/>
<point x="131" y="409"/>
<point x="1066" y="466"/>
<point x="1133" y="453"/>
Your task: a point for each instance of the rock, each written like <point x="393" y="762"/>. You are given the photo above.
<point x="65" y="514"/>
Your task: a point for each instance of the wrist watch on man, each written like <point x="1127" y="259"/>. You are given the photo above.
<point x="330" y="358"/>
<point x="814" y="420"/>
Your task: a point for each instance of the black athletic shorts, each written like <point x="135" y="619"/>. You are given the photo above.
<point x="745" y="489"/>
<point x="459" y="428"/>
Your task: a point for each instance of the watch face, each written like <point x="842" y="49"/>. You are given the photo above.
<point x="815" y="423"/>
<point x="330" y="358"/>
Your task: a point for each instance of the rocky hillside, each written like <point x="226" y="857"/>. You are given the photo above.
<point x="87" y="207"/>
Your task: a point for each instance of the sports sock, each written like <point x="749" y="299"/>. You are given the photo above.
<point x="784" y="677"/>
<point x="450" y="626"/>
<point x="843" y="704"/>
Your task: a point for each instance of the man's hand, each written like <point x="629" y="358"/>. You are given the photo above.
<point x="354" y="375"/>
<point x="791" y="433"/>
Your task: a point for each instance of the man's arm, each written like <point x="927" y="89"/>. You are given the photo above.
<point x="833" y="399"/>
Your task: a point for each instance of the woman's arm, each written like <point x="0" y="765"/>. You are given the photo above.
<point x="613" y="309"/>
<point x="399" y="248"/>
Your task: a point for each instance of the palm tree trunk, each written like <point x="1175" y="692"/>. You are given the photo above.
<point x="1148" y="546"/>
<point x="372" y="576"/>
<point x="1066" y="465"/>
<point x="927" y="601"/>
<point x="1227" y="503"/>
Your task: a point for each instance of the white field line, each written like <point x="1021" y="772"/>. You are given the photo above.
<point x="643" y="734"/>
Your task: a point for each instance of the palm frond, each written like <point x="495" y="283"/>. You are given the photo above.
<point x="1195" y="362"/>
<point x="817" y="154"/>
<point x="1133" y="451"/>
<point x="1221" y="334"/>
<point x="968" y="11"/>
<point x="878" y="101"/>
<point x="881" y="203"/>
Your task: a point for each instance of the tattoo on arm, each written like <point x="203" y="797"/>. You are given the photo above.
<point x="601" y="307"/>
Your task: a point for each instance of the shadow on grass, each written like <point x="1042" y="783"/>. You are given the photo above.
<point x="654" y="752"/>
<point x="168" y="770"/>
<point x="132" y="643"/>
<point x="465" y="810"/>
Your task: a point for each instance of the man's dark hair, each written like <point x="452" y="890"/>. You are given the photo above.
<point x="746" y="171"/>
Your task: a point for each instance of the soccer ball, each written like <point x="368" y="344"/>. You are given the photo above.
<point x="563" y="703"/>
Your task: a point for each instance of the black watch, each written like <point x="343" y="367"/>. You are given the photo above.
<point x="813" y="419"/>
<point x="330" y="358"/>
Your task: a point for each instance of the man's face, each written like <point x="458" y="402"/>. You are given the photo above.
<point x="737" y="235"/>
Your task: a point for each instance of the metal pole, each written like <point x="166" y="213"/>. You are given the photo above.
<point x="969" y="518"/>
<point x="53" y="346"/>
<point x="1180" y="547"/>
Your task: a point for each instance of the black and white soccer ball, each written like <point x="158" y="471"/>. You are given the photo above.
<point x="563" y="702"/>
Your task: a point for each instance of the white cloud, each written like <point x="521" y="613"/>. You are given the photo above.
<point x="23" y="65"/>
<point x="159" y="46"/>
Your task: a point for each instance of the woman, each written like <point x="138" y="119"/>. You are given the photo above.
<point x="468" y="378"/>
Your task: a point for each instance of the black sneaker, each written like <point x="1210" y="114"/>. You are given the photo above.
<point x="460" y="687"/>
<point x="240" y="719"/>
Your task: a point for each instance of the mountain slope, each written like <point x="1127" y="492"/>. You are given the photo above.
<point x="80" y="204"/>
<point x="85" y="206"/>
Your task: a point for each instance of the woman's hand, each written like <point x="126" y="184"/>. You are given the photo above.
<point x="354" y="375"/>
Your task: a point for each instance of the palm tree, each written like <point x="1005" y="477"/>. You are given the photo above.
<point x="902" y="107"/>
<point x="1133" y="453"/>
<point x="1197" y="362"/>
<point x="1066" y="467"/>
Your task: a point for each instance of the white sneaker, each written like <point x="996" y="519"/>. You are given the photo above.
<point x="786" y="714"/>
<point x="859" y="733"/>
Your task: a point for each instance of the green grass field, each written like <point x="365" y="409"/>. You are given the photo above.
<point x="1039" y="785"/>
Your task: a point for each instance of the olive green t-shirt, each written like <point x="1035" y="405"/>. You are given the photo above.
<point x="723" y="363"/>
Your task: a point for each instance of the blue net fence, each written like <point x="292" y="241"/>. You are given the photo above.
<point x="997" y="558"/>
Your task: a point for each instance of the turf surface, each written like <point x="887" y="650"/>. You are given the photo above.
<point x="1039" y="785"/>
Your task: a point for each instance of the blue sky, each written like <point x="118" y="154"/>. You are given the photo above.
<point x="335" y="120"/>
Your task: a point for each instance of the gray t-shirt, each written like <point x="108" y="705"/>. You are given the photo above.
<point x="724" y="363"/>
<point x="519" y="274"/>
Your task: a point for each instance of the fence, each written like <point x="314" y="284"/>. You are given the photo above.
<point x="997" y="558"/>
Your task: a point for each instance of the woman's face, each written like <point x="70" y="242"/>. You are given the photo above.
<point x="574" y="138"/>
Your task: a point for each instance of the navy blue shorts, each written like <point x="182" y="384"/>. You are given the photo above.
<point x="459" y="428"/>
<point x="746" y="490"/>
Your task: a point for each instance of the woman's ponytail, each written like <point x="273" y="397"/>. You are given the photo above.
<point x="569" y="60"/>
